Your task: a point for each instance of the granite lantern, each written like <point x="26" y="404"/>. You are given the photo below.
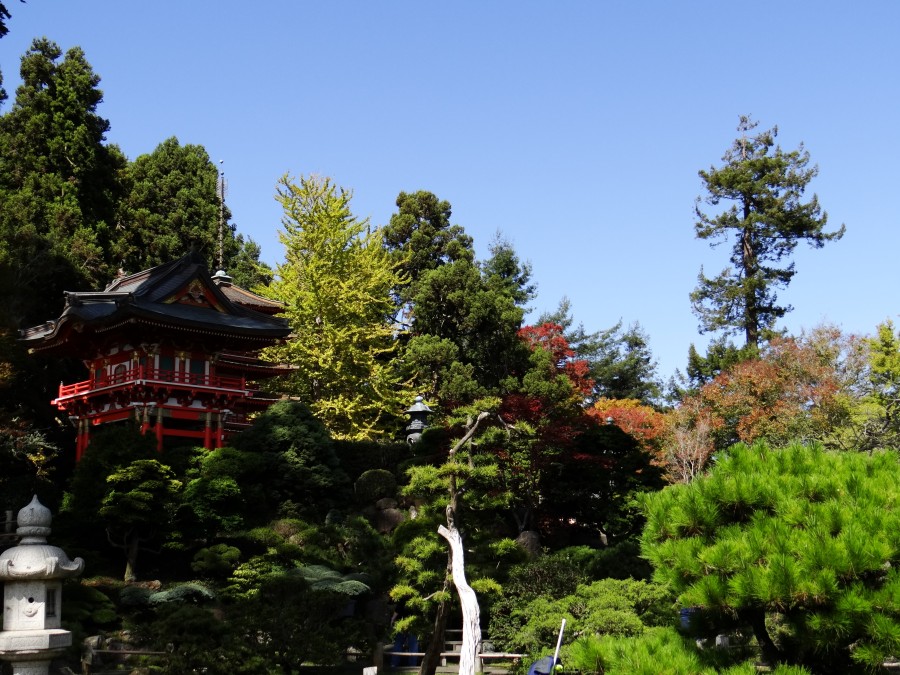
<point x="32" y="575"/>
<point x="418" y="420"/>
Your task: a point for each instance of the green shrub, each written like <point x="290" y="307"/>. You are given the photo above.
<point x="375" y="484"/>
<point x="622" y="607"/>
<point x="658" y="651"/>
<point x="217" y="561"/>
<point x="190" y="592"/>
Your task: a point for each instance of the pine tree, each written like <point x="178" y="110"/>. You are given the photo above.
<point x="796" y="538"/>
<point x="767" y="219"/>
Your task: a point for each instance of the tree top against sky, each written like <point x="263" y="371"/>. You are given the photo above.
<point x="576" y="131"/>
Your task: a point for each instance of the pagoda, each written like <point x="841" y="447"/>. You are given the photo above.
<point x="172" y="348"/>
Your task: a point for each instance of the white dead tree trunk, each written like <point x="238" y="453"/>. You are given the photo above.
<point x="468" y="600"/>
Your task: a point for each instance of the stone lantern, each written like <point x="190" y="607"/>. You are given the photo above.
<point x="32" y="574"/>
<point x="418" y="420"/>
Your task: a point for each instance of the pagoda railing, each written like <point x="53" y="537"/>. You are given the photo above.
<point x="147" y="375"/>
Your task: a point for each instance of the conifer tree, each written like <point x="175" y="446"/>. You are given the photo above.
<point x="798" y="538"/>
<point x="171" y="204"/>
<point x="336" y="284"/>
<point x="58" y="184"/>
<point x="421" y="238"/>
<point x="766" y="219"/>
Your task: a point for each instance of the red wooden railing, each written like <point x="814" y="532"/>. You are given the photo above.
<point x="152" y="376"/>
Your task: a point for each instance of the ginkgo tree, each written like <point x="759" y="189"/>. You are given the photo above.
<point x="336" y="284"/>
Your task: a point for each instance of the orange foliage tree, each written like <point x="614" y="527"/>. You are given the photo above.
<point x="642" y="422"/>
<point x="792" y="391"/>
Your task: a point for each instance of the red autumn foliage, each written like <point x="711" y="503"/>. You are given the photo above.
<point x="550" y="336"/>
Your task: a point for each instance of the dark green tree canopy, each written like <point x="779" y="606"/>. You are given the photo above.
<point x="171" y="203"/>
<point x="421" y="238"/>
<point x="58" y="184"/>
<point x="465" y="323"/>
<point x="300" y="456"/>
<point x="765" y="222"/>
<point x="461" y="316"/>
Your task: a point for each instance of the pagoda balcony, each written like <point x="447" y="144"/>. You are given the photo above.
<point x="154" y="377"/>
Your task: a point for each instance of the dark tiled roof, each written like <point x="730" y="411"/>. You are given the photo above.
<point x="148" y="297"/>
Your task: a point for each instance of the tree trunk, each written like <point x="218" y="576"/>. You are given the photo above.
<point x="757" y="620"/>
<point x="468" y="601"/>
<point x="433" y="653"/>
<point x="132" y="546"/>
<point x="749" y="264"/>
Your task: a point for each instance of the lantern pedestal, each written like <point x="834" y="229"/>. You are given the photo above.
<point x="32" y="573"/>
<point x="32" y="651"/>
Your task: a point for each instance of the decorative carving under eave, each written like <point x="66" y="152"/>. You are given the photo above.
<point x="53" y="568"/>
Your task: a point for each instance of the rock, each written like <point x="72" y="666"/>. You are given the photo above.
<point x="530" y="540"/>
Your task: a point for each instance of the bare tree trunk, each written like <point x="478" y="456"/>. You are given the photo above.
<point x="433" y="653"/>
<point x="132" y="546"/>
<point x="468" y="601"/>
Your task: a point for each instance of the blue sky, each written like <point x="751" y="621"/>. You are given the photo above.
<point x="575" y="129"/>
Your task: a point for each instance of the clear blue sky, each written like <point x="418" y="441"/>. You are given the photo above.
<point x="576" y="129"/>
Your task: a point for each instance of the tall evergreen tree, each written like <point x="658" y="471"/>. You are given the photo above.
<point x="765" y="186"/>
<point x="336" y="285"/>
<point x="58" y="184"/>
<point x="421" y="238"/>
<point x="464" y="337"/>
<point x="461" y="316"/>
<point x="171" y="204"/>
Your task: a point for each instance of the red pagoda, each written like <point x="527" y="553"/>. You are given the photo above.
<point x="171" y="348"/>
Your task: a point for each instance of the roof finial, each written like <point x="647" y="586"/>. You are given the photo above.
<point x="220" y="188"/>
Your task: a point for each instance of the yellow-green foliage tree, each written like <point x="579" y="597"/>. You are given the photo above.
<point x="875" y="414"/>
<point x="336" y="284"/>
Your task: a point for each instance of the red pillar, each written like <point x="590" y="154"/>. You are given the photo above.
<point x="145" y="421"/>
<point x="82" y="438"/>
